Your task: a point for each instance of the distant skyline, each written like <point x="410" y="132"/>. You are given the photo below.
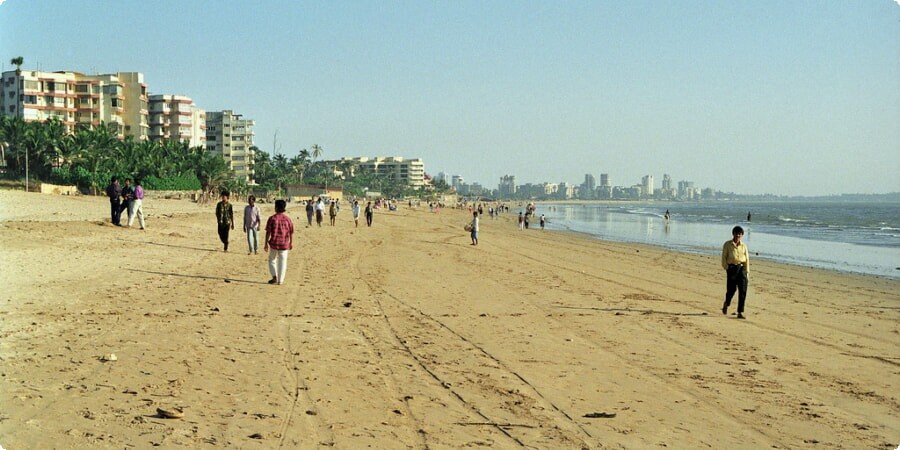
<point x="794" y="98"/>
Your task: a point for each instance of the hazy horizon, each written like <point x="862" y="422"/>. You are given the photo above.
<point x="797" y="98"/>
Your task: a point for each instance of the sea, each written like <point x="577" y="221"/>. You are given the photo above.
<point x="854" y="236"/>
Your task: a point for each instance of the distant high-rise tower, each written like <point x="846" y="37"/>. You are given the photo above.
<point x="667" y="182"/>
<point x="507" y="185"/>
<point x="604" y="179"/>
<point x="647" y="185"/>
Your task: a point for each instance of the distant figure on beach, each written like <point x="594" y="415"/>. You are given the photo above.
<point x="310" y="211"/>
<point x="279" y="240"/>
<point x="543" y="221"/>
<point x="667" y="216"/>
<point x="521" y="221"/>
<point x="320" y="211"/>
<point x="736" y="262"/>
<point x="251" y="225"/>
<point x="474" y="227"/>
<point x="224" y="218"/>
<point x="527" y="219"/>
<point x="370" y="212"/>
<point x="127" y="200"/>
<point x="355" y="212"/>
<point x="137" y="204"/>
<point x="748" y="216"/>
<point x="114" y="191"/>
<point x="332" y="212"/>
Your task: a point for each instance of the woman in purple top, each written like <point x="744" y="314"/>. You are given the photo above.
<point x="137" y="204"/>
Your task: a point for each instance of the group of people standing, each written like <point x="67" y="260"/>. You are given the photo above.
<point x="126" y="198"/>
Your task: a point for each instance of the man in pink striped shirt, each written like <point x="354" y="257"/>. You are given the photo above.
<point x="279" y="240"/>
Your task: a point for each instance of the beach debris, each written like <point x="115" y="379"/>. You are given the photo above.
<point x="256" y="436"/>
<point x="109" y="357"/>
<point x="227" y="280"/>
<point x="311" y="413"/>
<point x="170" y="413"/>
<point x="348" y="304"/>
<point x="600" y="415"/>
<point x="129" y="391"/>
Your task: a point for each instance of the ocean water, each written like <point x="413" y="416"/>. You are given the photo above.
<point x="858" y="237"/>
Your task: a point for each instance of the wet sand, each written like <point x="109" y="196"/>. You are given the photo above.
<point x="404" y="336"/>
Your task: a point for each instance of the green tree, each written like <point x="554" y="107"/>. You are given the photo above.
<point x="17" y="61"/>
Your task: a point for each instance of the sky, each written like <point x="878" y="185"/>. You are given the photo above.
<point x="792" y="98"/>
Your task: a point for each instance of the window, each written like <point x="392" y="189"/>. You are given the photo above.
<point x="237" y="158"/>
<point x="31" y="85"/>
<point x="239" y="168"/>
<point x="116" y="103"/>
<point x="81" y="88"/>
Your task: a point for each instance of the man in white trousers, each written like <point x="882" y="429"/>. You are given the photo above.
<point x="137" y="204"/>
<point x="279" y="240"/>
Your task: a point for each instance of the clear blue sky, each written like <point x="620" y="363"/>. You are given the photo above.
<point x="796" y="97"/>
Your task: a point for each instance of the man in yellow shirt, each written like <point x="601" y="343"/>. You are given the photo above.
<point x="736" y="262"/>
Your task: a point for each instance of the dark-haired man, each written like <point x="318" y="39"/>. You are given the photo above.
<point x="225" y="218"/>
<point x="113" y="191"/>
<point x="279" y="240"/>
<point x="736" y="262"/>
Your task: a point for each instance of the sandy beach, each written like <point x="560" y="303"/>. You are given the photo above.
<point x="405" y="336"/>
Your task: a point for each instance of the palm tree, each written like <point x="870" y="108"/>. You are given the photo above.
<point x="316" y="151"/>
<point x="18" y="61"/>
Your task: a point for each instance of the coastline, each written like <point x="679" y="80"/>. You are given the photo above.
<point x="404" y="335"/>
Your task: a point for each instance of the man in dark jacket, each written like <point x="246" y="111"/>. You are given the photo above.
<point x="114" y="191"/>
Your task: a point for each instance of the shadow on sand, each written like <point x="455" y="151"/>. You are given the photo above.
<point x="626" y="310"/>
<point x="205" y="277"/>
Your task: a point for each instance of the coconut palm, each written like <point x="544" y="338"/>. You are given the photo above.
<point x="17" y="61"/>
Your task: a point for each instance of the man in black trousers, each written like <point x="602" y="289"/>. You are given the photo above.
<point x="114" y="191"/>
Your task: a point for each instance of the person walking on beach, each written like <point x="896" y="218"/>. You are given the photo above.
<point x="736" y="262"/>
<point x="225" y="218"/>
<point x="369" y="214"/>
<point x="332" y="212"/>
<point x="521" y="221"/>
<point x="310" y="211"/>
<point x="355" y="211"/>
<point x="543" y="221"/>
<point x="320" y="211"/>
<point x="279" y="240"/>
<point x="114" y="191"/>
<point x="137" y="204"/>
<point x="474" y="226"/>
<point x="251" y="225"/>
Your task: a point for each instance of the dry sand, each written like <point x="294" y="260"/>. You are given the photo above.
<point x="404" y="336"/>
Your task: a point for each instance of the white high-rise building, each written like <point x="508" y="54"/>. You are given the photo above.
<point x="407" y="171"/>
<point x="647" y="185"/>
<point x="231" y="136"/>
<point x="177" y="117"/>
<point x="119" y="100"/>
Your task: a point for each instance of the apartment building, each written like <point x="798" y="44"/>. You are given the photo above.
<point x="177" y="117"/>
<point x="231" y="136"/>
<point x="408" y="171"/>
<point x="120" y="100"/>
